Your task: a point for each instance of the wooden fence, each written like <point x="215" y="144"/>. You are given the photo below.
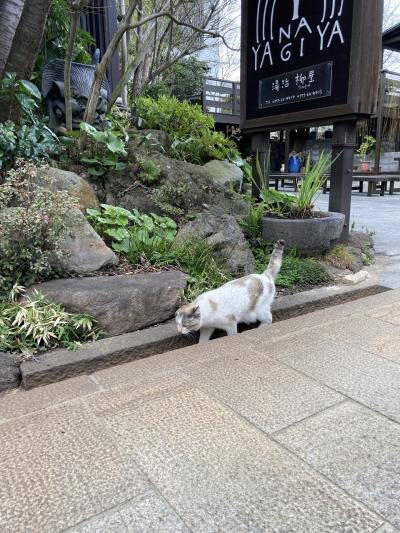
<point x="221" y="98"/>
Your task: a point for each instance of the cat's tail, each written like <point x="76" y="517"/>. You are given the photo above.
<point x="275" y="261"/>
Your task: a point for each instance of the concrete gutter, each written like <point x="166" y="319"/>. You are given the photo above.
<point x="60" y="364"/>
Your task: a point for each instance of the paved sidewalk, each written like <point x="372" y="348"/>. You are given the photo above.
<point x="381" y="215"/>
<point x="288" y="428"/>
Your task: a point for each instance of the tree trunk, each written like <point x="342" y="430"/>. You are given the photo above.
<point x="10" y="15"/>
<point x="28" y="36"/>
<point x="67" y="69"/>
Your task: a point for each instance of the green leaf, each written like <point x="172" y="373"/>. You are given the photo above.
<point x="31" y="89"/>
<point x="90" y="160"/>
<point x="92" y="212"/>
<point x="120" y="166"/>
<point x="93" y="171"/>
<point x="117" y="233"/>
<point x="115" y="145"/>
<point x="121" y="247"/>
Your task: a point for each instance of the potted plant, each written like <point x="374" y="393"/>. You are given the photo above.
<point x="293" y="217"/>
<point x="366" y="148"/>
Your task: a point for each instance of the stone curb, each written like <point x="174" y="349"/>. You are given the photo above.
<point x="61" y="364"/>
<point x="305" y="302"/>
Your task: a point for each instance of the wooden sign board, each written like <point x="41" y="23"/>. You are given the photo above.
<point x="309" y="61"/>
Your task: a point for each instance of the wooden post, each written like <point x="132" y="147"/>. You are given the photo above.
<point x="235" y="110"/>
<point x="379" y="122"/>
<point x="343" y="145"/>
<point x="287" y="149"/>
<point x="260" y="144"/>
<point x="204" y="95"/>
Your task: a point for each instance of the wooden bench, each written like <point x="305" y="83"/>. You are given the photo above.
<point x="373" y="180"/>
<point x="286" y="176"/>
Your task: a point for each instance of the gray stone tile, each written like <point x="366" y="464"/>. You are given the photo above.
<point x="154" y="368"/>
<point x="127" y="397"/>
<point x="378" y="300"/>
<point x="367" y="378"/>
<point x="391" y="274"/>
<point x="357" y="449"/>
<point x="291" y="342"/>
<point x="370" y="334"/>
<point x="221" y="474"/>
<point x="22" y="402"/>
<point x="146" y="514"/>
<point x="388" y="313"/>
<point x="60" y="467"/>
<point x="387" y="528"/>
<point x="389" y="349"/>
<point x="269" y="394"/>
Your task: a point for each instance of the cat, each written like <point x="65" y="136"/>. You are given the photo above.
<point x="246" y="300"/>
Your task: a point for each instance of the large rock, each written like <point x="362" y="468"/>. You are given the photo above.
<point x="224" y="234"/>
<point x="198" y="189"/>
<point x="148" y="141"/>
<point x="225" y="173"/>
<point x="360" y="240"/>
<point x="121" y="304"/>
<point x="56" y="179"/>
<point x="85" y="250"/>
<point x="10" y="376"/>
<point x="361" y="246"/>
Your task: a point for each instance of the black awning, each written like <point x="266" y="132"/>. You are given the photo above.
<point x="391" y="38"/>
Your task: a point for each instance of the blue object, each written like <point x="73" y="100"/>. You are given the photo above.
<point x="294" y="164"/>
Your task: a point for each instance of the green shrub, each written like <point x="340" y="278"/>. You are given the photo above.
<point x="298" y="271"/>
<point x="55" y="38"/>
<point x="37" y="325"/>
<point x="340" y="257"/>
<point x="104" y="152"/>
<point x="171" y="199"/>
<point x="19" y="95"/>
<point x="31" y="139"/>
<point x="252" y="224"/>
<point x="294" y="271"/>
<point x="149" y="173"/>
<point x="286" y="205"/>
<point x="151" y="238"/>
<point x="185" y="78"/>
<point x="32" y="226"/>
<point x="33" y="142"/>
<point x="134" y="235"/>
<point x="196" y="258"/>
<point x="192" y="132"/>
<point x="168" y="114"/>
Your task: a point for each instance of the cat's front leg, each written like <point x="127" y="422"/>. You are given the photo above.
<point x="231" y="329"/>
<point x="205" y="334"/>
<point x="265" y="319"/>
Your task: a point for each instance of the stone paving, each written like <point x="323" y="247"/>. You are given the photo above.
<point x="380" y="214"/>
<point x="289" y="428"/>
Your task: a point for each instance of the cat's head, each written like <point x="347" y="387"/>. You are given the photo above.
<point x="188" y="318"/>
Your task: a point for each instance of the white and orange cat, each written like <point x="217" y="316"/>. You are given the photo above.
<point x="244" y="300"/>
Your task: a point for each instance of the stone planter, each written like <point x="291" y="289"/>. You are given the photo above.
<point x="308" y="234"/>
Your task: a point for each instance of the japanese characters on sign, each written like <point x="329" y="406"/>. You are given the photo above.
<point x="297" y="86"/>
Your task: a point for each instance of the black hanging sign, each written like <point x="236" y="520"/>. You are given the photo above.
<point x="309" y="60"/>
